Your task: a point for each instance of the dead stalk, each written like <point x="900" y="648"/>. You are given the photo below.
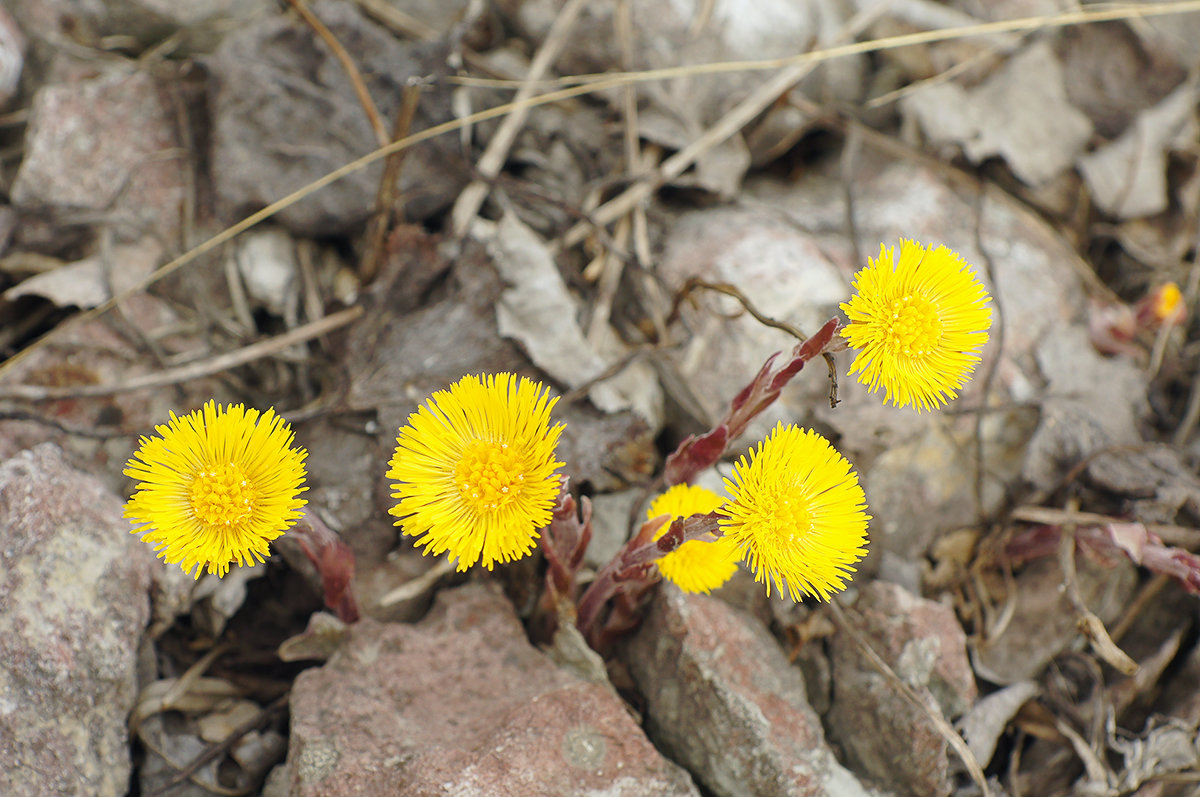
<point x="184" y="373"/>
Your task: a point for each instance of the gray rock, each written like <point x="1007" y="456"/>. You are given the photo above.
<point x="611" y="513"/>
<point x="723" y="701"/>
<point x="1021" y="112"/>
<point x="462" y="704"/>
<point x="924" y="645"/>
<point x="285" y="113"/>
<point x="73" y="604"/>
<point x="757" y="251"/>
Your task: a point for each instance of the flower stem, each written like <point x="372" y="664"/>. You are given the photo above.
<point x="630" y="570"/>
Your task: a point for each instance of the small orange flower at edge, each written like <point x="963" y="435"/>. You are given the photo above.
<point x="215" y="487"/>
<point x="697" y="565"/>
<point x="918" y="325"/>
<point x="474" y="469"/>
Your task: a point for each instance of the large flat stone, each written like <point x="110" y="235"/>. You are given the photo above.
<point x="723" y="701"/>
<point x="462" y="704"/>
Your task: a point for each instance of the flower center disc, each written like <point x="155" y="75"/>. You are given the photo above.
<point x="792" y="518"/>
<point x="911" y="327"/>
<point x="488" y="476"/>
<point x="222" y="496"/>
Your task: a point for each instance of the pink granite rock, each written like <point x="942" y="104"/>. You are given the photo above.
<point x="105" y="144"/>
<point x="462" y="704"/>
<point x="74" y="587"/>
<point x="882" y="733"/>
<point x="723" y="701"/>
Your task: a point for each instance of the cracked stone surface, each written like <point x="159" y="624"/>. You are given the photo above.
<point x="462" y="704"/>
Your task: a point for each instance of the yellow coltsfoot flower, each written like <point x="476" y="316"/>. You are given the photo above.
<point x="918" y="325"/>
<point x="697" y="565"/>
<point x="796" y="513"/>
<point x="216" y="486"/>
<point x="474" y="469"/>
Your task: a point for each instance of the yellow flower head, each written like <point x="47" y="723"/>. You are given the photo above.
<point x="474" y="469"/>
<point x="797" y="513"/>
<point x="216" y="486"/>
<point x="918" y="325"/>
<point x="697" y="565"/>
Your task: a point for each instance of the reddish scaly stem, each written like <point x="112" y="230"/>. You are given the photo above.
<point x="564" y="543"/>
<point x="626" y="579"/>
<point x="334" y="562"/>
<point x="697" y="453"/>
<point x="1130" y="540"/>
<point x="631" y="569"/>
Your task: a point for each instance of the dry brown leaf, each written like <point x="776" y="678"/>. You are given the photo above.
<point x="1020" y="113"/>
<point x="1128" y="178"/>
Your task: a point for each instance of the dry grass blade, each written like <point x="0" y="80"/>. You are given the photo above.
<point x="388" y="206"/>
<point x="1172" y="534"/>
<point x="596" y="83"/>
<point x="1088" y="16"/>
<point x="183" y="373"/>
<point x="729" y="124"/>
<point x="940" y="724"/>
<point x="497" y="149"/>
<point x="419" y="585"/>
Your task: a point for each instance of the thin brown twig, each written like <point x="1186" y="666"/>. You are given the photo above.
<point x="184" y="373"/>
<point x="89" y="433"/>
<point x="694" y="283"/>
<point x="1185" y="536"/>
<point x="339" y="52"/>
<point x="387" y="208"/>
<point x="989" y="376"/>
<point x="852" y="146"/>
